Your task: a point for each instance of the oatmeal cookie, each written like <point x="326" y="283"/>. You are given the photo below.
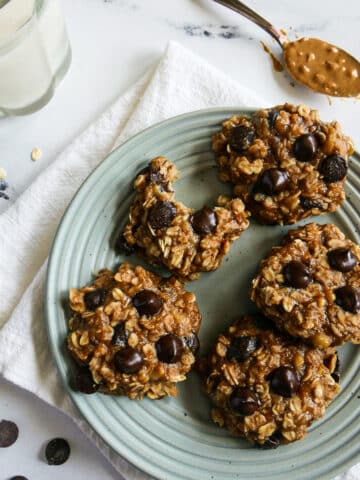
<point x="133" y="333"/>
<point x="167" y="232"/>
<point x="285" y="164"/>
<point x="264" y="385"/>
<point x="310" y="286"/>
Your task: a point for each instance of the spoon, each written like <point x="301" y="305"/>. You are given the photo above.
<point x="316" y="64"/>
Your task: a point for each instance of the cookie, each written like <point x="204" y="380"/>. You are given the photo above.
<point x="133" y="333"/>
<point x="285" y="163"/>
<point x="166" y="232"/>
<point x="310" y="286"/>
<point x="266" y="386"/>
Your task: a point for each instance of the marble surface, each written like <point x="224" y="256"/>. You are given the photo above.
<point x="114" y="42"/>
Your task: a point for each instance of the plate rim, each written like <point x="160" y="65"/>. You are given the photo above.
<point x="57" y="354"/>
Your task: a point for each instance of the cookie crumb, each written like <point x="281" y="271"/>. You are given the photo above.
<point x="36" y="154"/>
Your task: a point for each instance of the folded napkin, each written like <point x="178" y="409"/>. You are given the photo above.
<point x="180" y="83"/>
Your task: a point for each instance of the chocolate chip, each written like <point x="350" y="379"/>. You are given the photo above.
<point x="161" y="214"/>
<point x="272" y="116"/>
<point x="122" y="246"/>
<point x="284" y="381"/>
<point x="272" y="442"/>
<point x="241" y="138"/>
<point x="204" y="221"/>
<point x="169" y="348"/>
<point x="241" y="348"/>
<point x="244" y="401"/>
<point x="272" y="181"/>
<point x="193" y="343"/>
<point x="305" y="148"/>
<point x="57" y="451"/>
<point x="18" y="477"/>
<point x="308" y="204"/>
<point x="333" y="168"/>
<point x="128" y="360"/>
<point x="348" y="299"/>
<point x="342" y="259"/>
<point x="336" y="373"/>
<point x="84" y="382"/>
<point x="147" y="302"/>
<point x="120" y="335"/>
<point x="9" y="433"/>
<point x="297" y="275"/>
<point x="94" y="299"/>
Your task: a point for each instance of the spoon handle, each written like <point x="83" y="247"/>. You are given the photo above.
<point x="244" y="10"/>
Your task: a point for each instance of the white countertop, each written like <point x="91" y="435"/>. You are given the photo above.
<point x="113" y="43"/>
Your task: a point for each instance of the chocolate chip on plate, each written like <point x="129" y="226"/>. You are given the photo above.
<point x="342" y="259"/>
<point x="272" y="181"/>
<point x="204" y="221"/>
<point x="297" y="275"/>
<point x="84" y="381"/>
<point x="147" y="302"/>
<point x="242" y="348"/>
<point x="333" y="168"/>
<point x="308" y="204"/>
<point x="284" y="381"/>
<point x="305" y="148"/>
<point x="94" y="299"/>
<point x="9" y="433"/>
<point x="161" y="214"/>
<point x="120" y="335"/>
<point x="271" y="443"/>
<point x="241" y="138"/>
<point x="128" y="360"/>
<point x="169" y="348"/>
<point x="122" y="246"/>
<point x="18" y="477"/>
<point x="348" y="298"/>
<point x="57" y="451"/>
<point x="244" y="401"/>
<point x="336" y="373"/>
<point x="193" y="343"/>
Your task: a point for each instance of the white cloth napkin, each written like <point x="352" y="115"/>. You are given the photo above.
<point x="180" y="83"/>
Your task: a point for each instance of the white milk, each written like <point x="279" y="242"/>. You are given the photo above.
<point x="32" y="59"/>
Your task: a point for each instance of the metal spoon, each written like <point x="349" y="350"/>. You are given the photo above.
<point x="316" y="64"/>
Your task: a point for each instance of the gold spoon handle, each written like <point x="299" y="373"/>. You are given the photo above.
<point x="244" y="10"/>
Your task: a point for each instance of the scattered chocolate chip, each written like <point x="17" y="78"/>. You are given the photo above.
<point x="272" y="181"/>
<point x="333" y="168"/>
<point x="94" y="299"/>
<point x="18" y="477"/>
<point x="244" y="401"/>
<point x="308" y="204"/>
<point x="241" y="138"/>
<point x="193" y="343"/>
<point x="272" y="442"/>
<point x="122" y="246"/>
<point x="204" y="221"/>
<point x="297" y="275"/>
<point x="9" y="433"/>
<point x="284" y="381"/>
<point x="120" y="335"/>
<point x="57" y="451"/>
<point x="272" y="116"/>
<point x="128" y="360"/>
<point x="147" y="302"/>
<point x="169" y="348"/>
<point x="161" y="214"/>
<point x="84" y="382"/>
<point x="336" y="373"/>
<point x="305" y="148"/>
<point x="342" y="259"/>
<point x="348" y="299"/>
<point x="241" y="348"/>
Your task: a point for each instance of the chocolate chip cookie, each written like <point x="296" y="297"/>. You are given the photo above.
<point x="285" y="164"/>
<point x="310" y="286"/>
<point x="165" y="231"/>
<point x="133" y="333"/>
<point x="265" y="386"/>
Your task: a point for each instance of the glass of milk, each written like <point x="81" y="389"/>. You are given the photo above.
<point x="35" y="54"/>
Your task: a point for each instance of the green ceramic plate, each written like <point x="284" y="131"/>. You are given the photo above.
<point x="174" y="439"/>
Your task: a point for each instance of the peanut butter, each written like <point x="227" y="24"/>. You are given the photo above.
<point x="323" y="67"/>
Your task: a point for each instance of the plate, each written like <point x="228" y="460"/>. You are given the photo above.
<point x="174" y="439"/>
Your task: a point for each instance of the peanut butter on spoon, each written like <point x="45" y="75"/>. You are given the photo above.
<point x="323" y="67"/>
<point x="316" y="64"/>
